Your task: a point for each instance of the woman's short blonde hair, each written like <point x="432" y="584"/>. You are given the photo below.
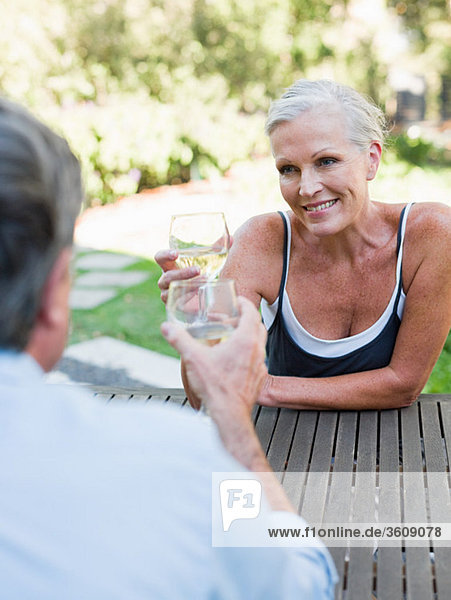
<point x="365" y="120"/>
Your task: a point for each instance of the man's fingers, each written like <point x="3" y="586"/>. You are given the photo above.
<point x="178" y="337"/>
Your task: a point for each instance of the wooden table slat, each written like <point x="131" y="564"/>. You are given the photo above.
<point x="104" y="397"/>
<point x="418" y="573"/>
<point x="361" y="559"/>
<point x="304" y="436"/>
<point x="389" y="441"/>
<point x="389" y="573"/>
<point x="360" y="573"/>
<point x="367" y="441"/>
<point x="445" y="412"/>
<point x="418" y="561"/>
<point x="324" y="441"/>
<point x="298" y="461"/>
<point x="364" y="505"/>
<point x="438" y="490"/>
<point x="314" y="502"/>
<point x="442" y="558"/>
<point x="433" y="444"/>
<point x="177" y="399"/>
<point x="345" y="442"/>
<point x="338" y="554"/>
<point x="142" y="398"/>
<point x="415" y="504"/>
<point x="412" y="459"/>
<point x="266" y="422"/>
<point x="281" y="440"/>
<point x="126" y="398"/>
<point x="389" y="560"/>
<point x="340" y="495"/>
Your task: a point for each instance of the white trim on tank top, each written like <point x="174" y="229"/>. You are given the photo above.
<point x="342" y="346"/>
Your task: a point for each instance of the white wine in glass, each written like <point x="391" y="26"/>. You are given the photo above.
<point x="211" y="334"/>
<point x="202" y="240"/>
<point x="207" y="309"/>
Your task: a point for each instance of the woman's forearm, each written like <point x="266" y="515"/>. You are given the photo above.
<point x="377" y="389"/>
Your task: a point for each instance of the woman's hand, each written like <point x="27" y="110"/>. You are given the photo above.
<point x="171" y="271"/>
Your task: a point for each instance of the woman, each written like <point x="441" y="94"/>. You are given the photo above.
<point x="355" y="294"/>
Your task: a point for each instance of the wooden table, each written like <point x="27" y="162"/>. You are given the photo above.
<point x="402" y="457"/>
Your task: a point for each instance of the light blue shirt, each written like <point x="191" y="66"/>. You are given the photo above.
<point x="114" y="502"/>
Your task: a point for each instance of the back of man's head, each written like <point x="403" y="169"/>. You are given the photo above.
<point x="40" y="197"/>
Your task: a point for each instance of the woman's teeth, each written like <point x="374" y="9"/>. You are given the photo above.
<point x="320" y="206"/>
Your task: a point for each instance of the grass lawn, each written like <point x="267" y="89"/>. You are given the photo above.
<point x="133" y="316"/>
<point x="440" y="380"/>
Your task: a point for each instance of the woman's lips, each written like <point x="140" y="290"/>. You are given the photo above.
<point x="320" y="206"/>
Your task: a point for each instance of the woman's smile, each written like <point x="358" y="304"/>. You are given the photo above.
<point x="320" y="207"/>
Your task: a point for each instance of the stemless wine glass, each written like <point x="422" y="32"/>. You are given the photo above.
<point x="201" y="239"/>
<point x="207" y="309"/>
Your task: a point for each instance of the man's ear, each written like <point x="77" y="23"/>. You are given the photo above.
<point x="374" y="159"/>
<point x="48" y="336"/>
<point x="54" y="297"/>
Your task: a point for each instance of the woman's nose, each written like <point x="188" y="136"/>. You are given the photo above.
<point x="309" y="183"/>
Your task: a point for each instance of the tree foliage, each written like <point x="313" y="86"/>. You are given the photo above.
<point x="158" y="91"/>
<point x="417" y="17"/>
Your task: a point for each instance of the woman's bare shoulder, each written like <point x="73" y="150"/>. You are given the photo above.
<point x="427" y="240"/>
<point x="430" y="218"/>
<point x="429" y="228"/>
<point x="426" y="220"/>
<point x="263" y="232"/>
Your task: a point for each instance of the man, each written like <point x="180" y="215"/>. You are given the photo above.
<point x="115" y="502"/>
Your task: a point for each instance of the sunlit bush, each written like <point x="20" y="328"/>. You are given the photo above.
<point x="134" y="141"/>
<point x="417" y="151"/>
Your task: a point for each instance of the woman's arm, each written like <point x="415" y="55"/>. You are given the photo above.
<point x="422" y="334"/>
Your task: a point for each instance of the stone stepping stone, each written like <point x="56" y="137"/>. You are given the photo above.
<point x="105" y="279"/>
<point x="107" y="361"/>
<point x="98" y="261"/>
<point x="85" y="299"/>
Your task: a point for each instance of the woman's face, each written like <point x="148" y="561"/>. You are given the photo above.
<point x="323" y="176"/>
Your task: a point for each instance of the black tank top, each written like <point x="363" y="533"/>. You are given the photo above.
<point x="286" y="357"/>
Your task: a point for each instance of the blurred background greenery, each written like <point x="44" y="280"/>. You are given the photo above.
<point x="153" y="92"/>
<point x="156" y="92"/>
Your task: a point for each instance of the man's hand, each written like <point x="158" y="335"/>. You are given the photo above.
<point x="226" y="377"/>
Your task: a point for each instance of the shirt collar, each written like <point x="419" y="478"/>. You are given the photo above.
<point x="15" y="366"/>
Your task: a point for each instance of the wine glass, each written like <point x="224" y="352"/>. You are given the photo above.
<point x="201" y="239"/>
<point x="207" y="309"/>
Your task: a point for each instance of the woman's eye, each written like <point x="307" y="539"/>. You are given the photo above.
<point x="326" y="162"/>
<point x="286" y="170"/>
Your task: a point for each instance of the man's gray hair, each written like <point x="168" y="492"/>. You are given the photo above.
<point x="365" y="121"/>
<point x="40" y="198"/>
